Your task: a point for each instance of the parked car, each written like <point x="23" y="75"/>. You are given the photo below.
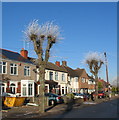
<point x="101" y="94"/>
<point x="78" y="95"/>
<point x="54" y="98"/>
<point x="86" y="95"/>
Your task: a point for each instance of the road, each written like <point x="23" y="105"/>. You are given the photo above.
<point x="107" y="109"/>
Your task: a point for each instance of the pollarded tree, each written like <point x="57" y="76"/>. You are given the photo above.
<point x="94" y="61"/>
<point x="43" y="37"/>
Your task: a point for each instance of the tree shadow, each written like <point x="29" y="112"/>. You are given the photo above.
<point x="49" y="108"/>
<point x="68" y="109"/>
<point x="5" y="108"/>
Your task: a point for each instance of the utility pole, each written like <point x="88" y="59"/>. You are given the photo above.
<point x="106" y="71"/>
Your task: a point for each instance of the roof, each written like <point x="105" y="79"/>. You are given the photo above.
<point x="81" y="72"/>
<point x="76" y="72"/>
<point x="71" y="72"/>
<point x="50" y="66"/>
<point x="7" y="54"/>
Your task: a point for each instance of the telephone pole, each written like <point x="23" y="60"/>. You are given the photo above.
<point x="106" y="71"/>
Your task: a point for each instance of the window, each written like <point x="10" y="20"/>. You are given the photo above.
<point x="13" y="88"/>
<point x="29" y="89"/>
<point x="26" y="71"/>
<point x="56" y="75"/>
<point x="63" y="77"/>
<point x="13" y="69"/>
<point x="70" y="89"/>
<point x="3" y="66"/>
<point x="76" y="79"/>
<point x="51" y="75"/>
<point x="24" y="90"/>
<point x="83" y="80"/>
<point x="62" y="90"/>
<point x="2" y="88"/>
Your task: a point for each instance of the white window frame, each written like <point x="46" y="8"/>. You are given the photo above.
<point x="14" y="65"/>
<point x="83" y="80"/>
<point x="2" y="66"/>
<point x="27" y="82"/>
<point x="13" y="88"/>
<point x="30" y="91"/>
<point x="3" y="85"/>
<point x="63" y="77"/>
<point x="56" y="76"/>
<point x="63" y="90"/>
<point x="27" y="68"/>
<point x="24" y="90"/>
<point x="76" y="79"/>
<point x="71" y="90"/>
<point x="50" y="75"/>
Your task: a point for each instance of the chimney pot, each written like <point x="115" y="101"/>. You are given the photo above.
<point x="57" y="63"/>
<point x="64" y="63"/>
<point x="24" y="53"/>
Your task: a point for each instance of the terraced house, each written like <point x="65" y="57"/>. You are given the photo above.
<point x="18" y="74"/>
<point x="55" y="78"/>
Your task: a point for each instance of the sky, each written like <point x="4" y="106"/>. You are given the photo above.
<point x="85" y="27"/>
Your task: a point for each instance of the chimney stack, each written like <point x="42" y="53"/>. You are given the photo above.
<point x="24" y="53"/>
<point x="64" y="63"/>
<point x="57" y="63"/>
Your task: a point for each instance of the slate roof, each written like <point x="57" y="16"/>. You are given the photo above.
<point x="51" y="66"/>
<point x="76" y="73"/>
<point x="71" y="72"/>
<point x="7" y="54"/>
<point x="79" y="72"/>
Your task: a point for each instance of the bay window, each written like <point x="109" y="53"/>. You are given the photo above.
<point x="27" y="88"/>
<point x="30" y="89"/>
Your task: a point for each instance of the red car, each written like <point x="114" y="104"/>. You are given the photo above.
<point x="101" y="94"/>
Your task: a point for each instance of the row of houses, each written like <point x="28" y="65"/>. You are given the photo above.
<point x="18" y="76"/>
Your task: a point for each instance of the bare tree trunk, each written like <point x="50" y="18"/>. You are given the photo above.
<point x="42" y="88"/>
<point x="96" y="87"/>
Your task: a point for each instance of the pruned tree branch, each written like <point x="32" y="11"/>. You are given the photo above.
<point x="38" y="34"/>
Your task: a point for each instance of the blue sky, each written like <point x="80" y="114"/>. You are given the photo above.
<point x="85" y="27"/>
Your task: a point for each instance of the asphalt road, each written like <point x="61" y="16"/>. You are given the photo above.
<point x="107" y="109"/>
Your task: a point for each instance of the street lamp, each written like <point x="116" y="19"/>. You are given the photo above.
<point x="106" y="71"/>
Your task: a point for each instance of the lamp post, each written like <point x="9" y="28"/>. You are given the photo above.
<point x="106" y="71"/>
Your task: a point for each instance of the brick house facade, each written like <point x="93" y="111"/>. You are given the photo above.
<point x="15" y="69"/>
<point x="18" y="75"/>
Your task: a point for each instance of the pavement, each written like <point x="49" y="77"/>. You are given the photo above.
<point x="33" y="111"/>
